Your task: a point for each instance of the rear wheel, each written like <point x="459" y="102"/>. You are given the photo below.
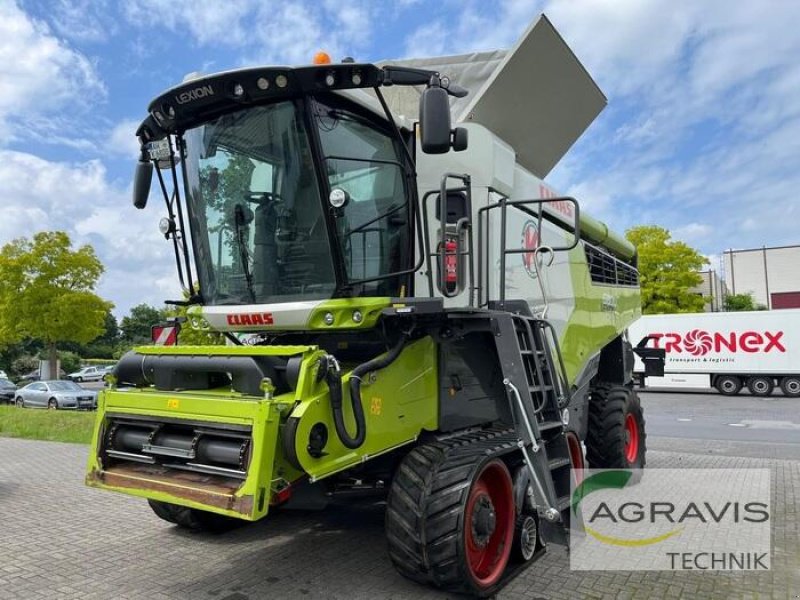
<point x="450" y="521"/>
<point x="52" y="404"/>
<point x="760" y="386"/>
<point x="791" y="386"/>
<point x="616" y="438"/>
<point x="728" y="385"/>
<point x="192" y="518"/>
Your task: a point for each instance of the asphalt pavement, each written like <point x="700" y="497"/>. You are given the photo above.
<point x="741" y="425"/>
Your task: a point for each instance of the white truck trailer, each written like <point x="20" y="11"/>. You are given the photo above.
<point x="727" y="351"/>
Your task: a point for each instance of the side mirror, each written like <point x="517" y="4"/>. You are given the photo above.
<point x="141" y="183"/>
<point x="434" y="120"/>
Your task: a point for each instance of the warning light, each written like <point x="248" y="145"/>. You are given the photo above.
<point x="322" y="58"/>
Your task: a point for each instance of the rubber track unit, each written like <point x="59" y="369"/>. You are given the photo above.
<point x="425" y="508"/>
<point x="196" y="520"/>
<point x="605" y="438"/>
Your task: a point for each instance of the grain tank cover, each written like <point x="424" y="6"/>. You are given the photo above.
<point x="537" y="96"/>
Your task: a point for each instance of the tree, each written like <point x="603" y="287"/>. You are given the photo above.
<point x="740" y="302"/>
<point x="668" y="269"/>
<point x="136" y="326"/>
<point x="47" y="292"/>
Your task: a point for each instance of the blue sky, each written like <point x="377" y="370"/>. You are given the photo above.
<point x="701" y="135"/>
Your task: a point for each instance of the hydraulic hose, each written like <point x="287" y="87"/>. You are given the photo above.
<point x="334" y="380"/>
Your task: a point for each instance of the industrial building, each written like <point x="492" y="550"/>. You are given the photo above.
<point x="771" y="275"/>
<point x="713" y="289"/>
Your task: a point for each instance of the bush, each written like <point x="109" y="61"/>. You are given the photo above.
<point x="24" y="364"/>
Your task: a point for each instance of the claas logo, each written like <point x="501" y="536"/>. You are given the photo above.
<point x="250" y="319"/>
<point x="699" y="343"/>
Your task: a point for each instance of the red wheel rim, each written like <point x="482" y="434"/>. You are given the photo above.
<point x="632" y="438"/>
<point x="576" y="457"/>
<point x="489" y="524"/>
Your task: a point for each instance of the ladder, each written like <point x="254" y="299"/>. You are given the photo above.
<point x="538" y="394"/>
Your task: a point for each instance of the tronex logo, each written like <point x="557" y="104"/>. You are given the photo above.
<point x="195" y="94"/>
<point x="699" y="343"/>
<point x="250" y="319"/>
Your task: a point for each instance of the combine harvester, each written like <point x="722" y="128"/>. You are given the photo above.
<point x="424" y="315"/>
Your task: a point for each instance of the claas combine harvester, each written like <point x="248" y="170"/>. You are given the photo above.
<point x="409" y="307"/>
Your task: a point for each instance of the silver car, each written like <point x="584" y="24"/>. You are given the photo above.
<point x="55" y="394"/>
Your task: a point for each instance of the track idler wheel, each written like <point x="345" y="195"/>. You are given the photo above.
<point x="194" y="519"/>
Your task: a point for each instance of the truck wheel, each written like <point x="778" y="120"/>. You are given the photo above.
<point x="450" y="521"/>
<point x="791" y="386"/>
<point x="616" y="438"/>
<point x="760" y="386"/>
<point x="193" y="519"/>
<point x="728" y="385"/>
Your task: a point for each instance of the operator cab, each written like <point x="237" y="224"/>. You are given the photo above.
<point x="294" y="191"/>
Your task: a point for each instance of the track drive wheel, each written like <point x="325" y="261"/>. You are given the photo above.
<point x="193" y="519"/>
<point x="450" y="520"/>
<point x="616" y="438"/>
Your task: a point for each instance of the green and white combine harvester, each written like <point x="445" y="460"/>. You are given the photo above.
<point x="409" y="307"/>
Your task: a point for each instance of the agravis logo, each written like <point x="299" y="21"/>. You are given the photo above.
<point x="609" y="480"/>
<point x="671" y="519"/>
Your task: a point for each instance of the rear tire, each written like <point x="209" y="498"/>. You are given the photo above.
<point x="760" y="386"/>
<point x="790" y="386"/>
<point x="728" y="385"/>
<point x="450" y="522"/>
<point x="616" y="438"/>
<point x="194" y="519"/>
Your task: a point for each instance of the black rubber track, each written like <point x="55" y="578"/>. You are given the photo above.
<point x="605" y="438"/>
<point x="193" y="519"/>
<point x="426" y="504"/>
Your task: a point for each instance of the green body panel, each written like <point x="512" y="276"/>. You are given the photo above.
<point x="399" y="402"/>
<point x="601" y="313"/>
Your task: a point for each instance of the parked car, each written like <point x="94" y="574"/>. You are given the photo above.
<point x="7" y="391"/>
<point x="87" y="374"/>
<point x="35" y="375"/>
<point x="55" y="394"/>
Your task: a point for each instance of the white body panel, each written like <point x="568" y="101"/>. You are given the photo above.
<point x="734" y="343"/>
<point x="491" y="163"/>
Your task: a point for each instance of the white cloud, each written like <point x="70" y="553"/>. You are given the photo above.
<point x="82" y="20"/>
<point x="122" y="140"/>
<point x="38" y="72"/>
<point x="210" y="22"/>
<point x="40" y="195"/>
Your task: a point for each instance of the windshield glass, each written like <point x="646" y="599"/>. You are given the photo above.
<point x="64" y="386"/>
<point x="363" y="159"/>
<point x="256" y="209"/>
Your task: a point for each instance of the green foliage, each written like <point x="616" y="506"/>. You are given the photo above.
<point x="47" y="292"/>
<point x="668" y="270"/>
<point x="24" y="364"/>
<point x="738" y="302"/>
<point x="136" y="326"/>
<point x="70" y="361"/>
